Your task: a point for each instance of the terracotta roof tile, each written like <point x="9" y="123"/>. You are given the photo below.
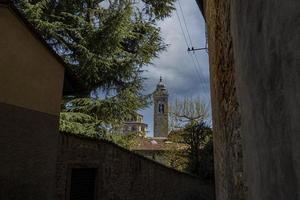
<point x="155" y="144"/>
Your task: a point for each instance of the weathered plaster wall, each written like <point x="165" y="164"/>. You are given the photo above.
<point x="125" y="175"/>
<point x="255" y="79"/>
<point x="31" y="82"/>
<point x="31" y="77"/>
<point x="266" y="45"/>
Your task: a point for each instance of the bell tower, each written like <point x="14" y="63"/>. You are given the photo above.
<point x="160" y="99"/>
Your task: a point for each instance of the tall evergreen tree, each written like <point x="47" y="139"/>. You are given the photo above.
<point x="106" y="43"/>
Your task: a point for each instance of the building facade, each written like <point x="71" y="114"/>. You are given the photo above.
<point x="160" y="99"/>
<point x="135" y="124"/>
<point x="31" y="86"/>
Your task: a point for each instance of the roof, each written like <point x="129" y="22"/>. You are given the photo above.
<point x="137" y="123"/>
<point x="70" y="81"/>
<point x="160" y="83"/>
<point x="155" y="144"/>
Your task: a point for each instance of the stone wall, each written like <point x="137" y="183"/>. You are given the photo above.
<point x="161" y="118"/>
<point x="226" y="113"/>
<point x="123" y="174"/>
<point x="255" y="81"/>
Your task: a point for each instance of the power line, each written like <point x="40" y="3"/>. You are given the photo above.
<point x="192" y="49"/>
<point x="181" y="27"/>
<point x="188" y="33"/>
<point x="200" y="70"/>
<point x="202" y="80"/>
<point x="187" y="30"/>
<point x="186" y="41"/>
<point x="194" y="57"/>
<point x="184" y="21"/>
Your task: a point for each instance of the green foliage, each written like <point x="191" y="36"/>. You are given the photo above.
<point x="79" y="123"/>
<point x="158" y="8"/>
<point x="206" y="160"/>
<point x="105" y="44"/>
<point x="197" y="136"/>
<point x="189" y="128"/>
<point x="86" y="126"/>
<point x="197" y="157"/>
<point x="176" y="158"/>
<point x="125" y="141"/>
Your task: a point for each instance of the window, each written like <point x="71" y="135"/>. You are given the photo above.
<point x="161" y="108"/>
<point x="133" y="128"/>
<point x="83" y="184"/>
<point x="126" y="128"/>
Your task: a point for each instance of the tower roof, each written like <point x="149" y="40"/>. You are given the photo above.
<point x="161" y="89"/>
<point x="160" y="84"/>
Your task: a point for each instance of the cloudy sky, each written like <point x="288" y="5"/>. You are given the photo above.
<point x="185" y="74"/>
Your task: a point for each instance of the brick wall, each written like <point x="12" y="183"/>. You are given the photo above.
<point x="123" y="174"/>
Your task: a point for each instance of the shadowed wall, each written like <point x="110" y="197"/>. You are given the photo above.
<point x="122" y="174"/>
<point x="255" y="78"/>
<point x="31" y="82"/>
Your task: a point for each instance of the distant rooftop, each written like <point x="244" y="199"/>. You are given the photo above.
<point x="156" y="144"/>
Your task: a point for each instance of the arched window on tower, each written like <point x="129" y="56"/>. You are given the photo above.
<point x="161" y="108"/>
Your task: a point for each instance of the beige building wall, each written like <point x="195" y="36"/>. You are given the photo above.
<point x="30" y="76"/>
<point x="31" y="82"/>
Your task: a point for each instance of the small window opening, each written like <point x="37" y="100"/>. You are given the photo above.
<point x="161" y="108"/>
<point x="83" y="181"/>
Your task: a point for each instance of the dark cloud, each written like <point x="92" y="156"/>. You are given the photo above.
<point x="182" y="77"/>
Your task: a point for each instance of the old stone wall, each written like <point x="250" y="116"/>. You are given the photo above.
<point x="255" y="87"/>
<point x="226" y="113"/>
<point x="122" y="174"/>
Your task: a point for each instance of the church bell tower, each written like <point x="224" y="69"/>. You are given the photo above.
<point x="160" y="99"/>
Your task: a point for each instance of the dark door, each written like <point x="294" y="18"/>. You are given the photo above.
<point x="83" y="184"/>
